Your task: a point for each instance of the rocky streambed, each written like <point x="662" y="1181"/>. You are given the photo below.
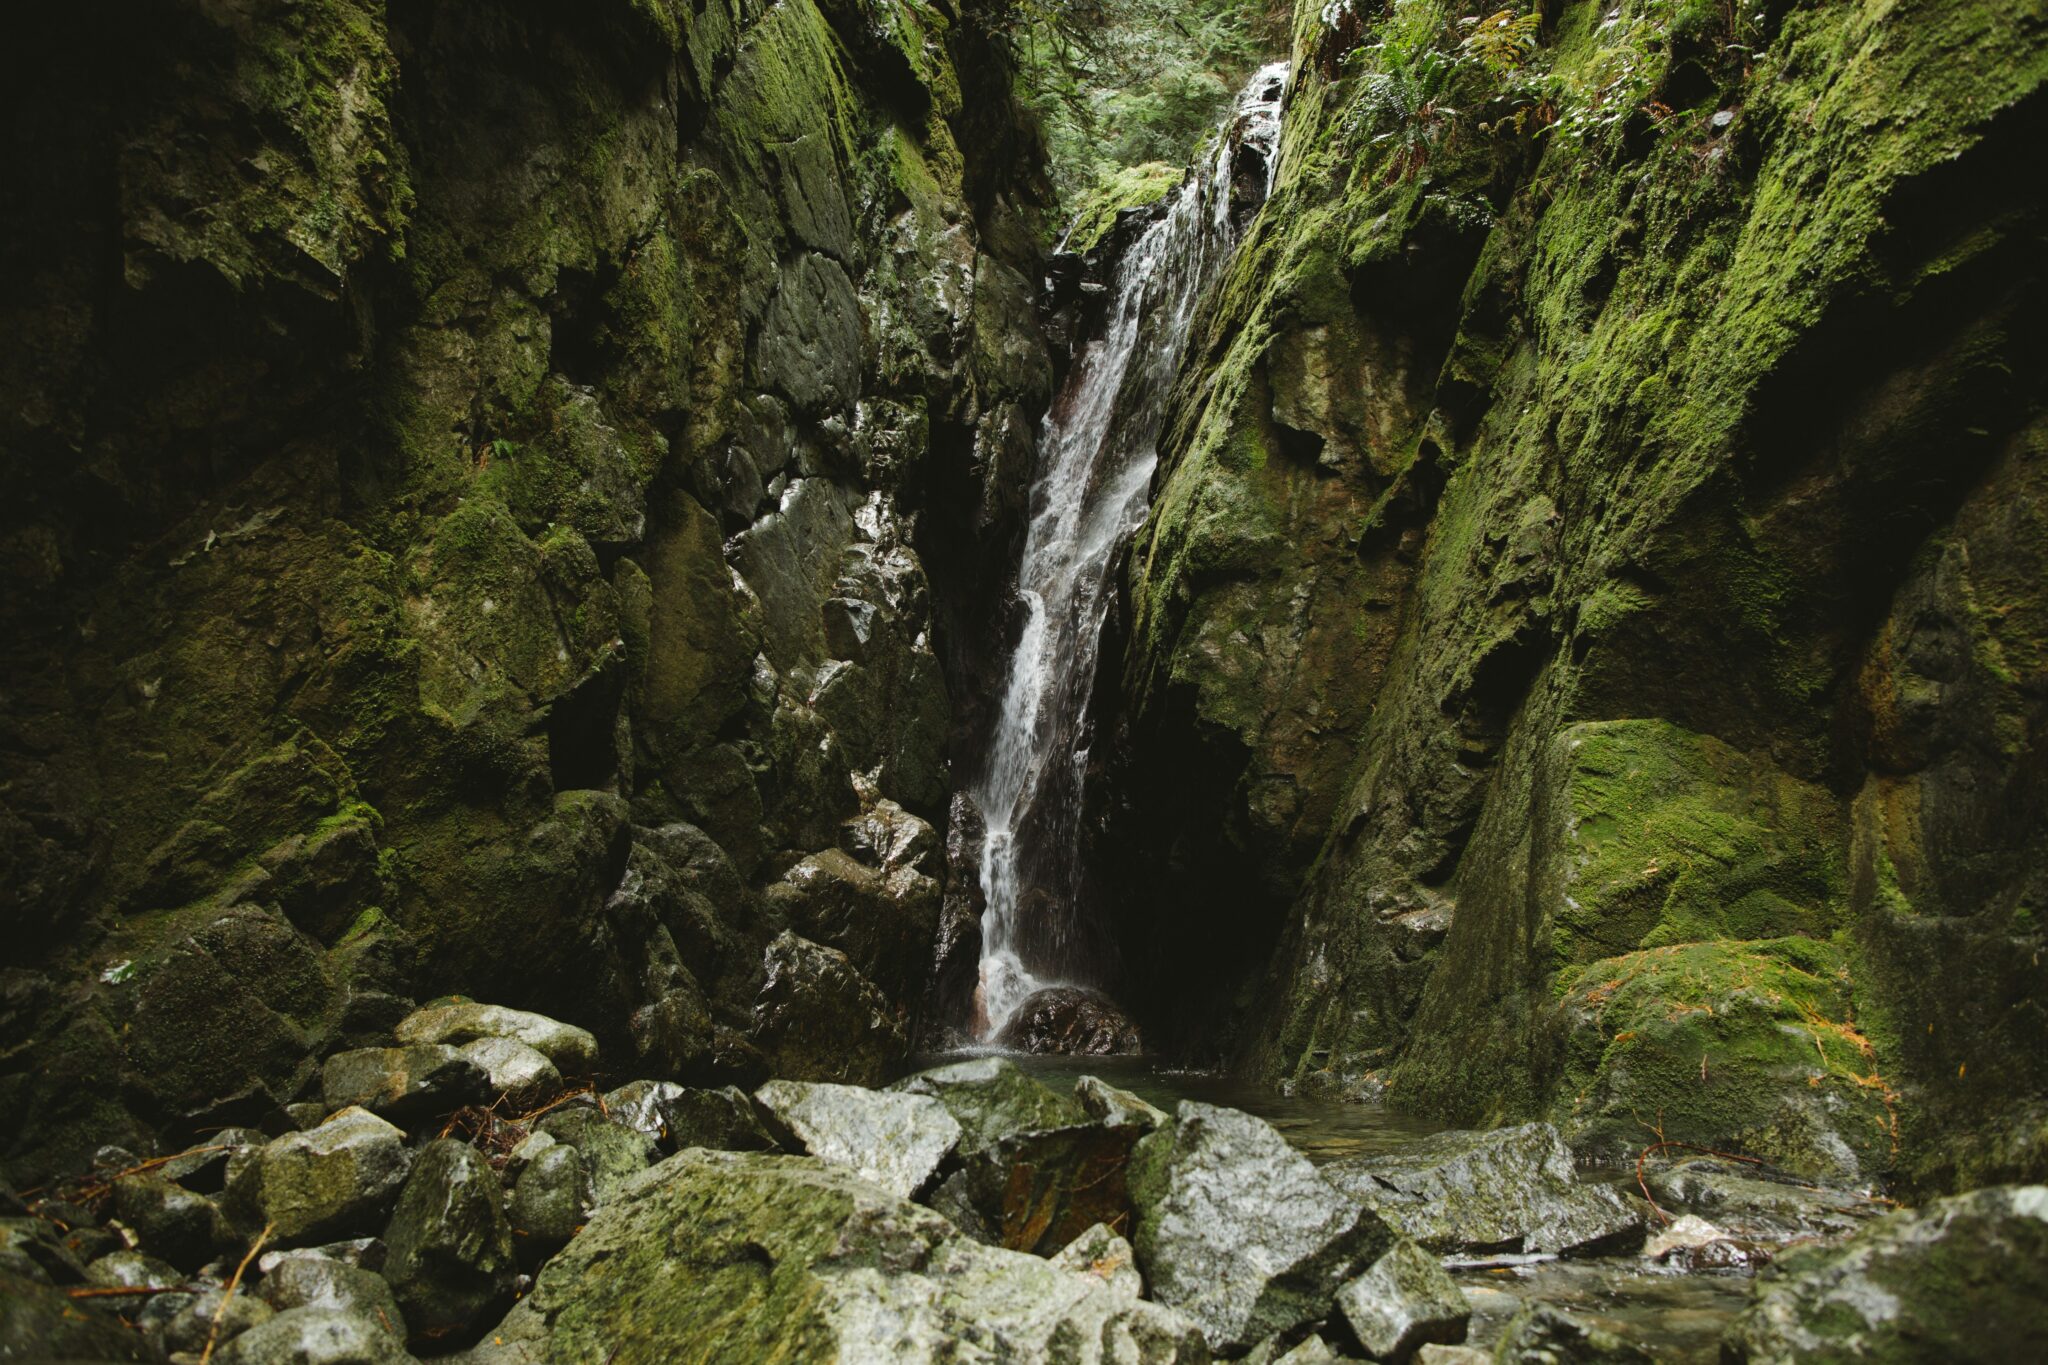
<point x="463" y="1194"/>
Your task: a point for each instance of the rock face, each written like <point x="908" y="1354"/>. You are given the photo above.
<point x="773" y="1257"/>
<point x="1236" y="1229"/>
<point x="1962" y="1279"/>
<point x="1510" y="1189"/>
<point x="523" y="567"/>
<point x="895" y="1140"/>
<point x="1070" y="1020"/>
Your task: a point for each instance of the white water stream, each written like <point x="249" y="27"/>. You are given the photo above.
<point x="1097" y="454"/>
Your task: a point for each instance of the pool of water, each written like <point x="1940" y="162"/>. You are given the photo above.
<point x="1678" y="1316"/>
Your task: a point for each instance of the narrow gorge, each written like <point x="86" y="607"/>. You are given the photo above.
<point x="952" y="680"/>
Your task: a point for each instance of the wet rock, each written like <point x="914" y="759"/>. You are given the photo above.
<point x="171" y="1221"/>
<point x="404" y="1084"/>
<point x="451" y="1263"/>
<point x="549" y="1202"/>
<point x="571" y="1049"/>
<point x="643" y="1106"/>
<point x="336" y="1180"/>
<point x="612" y="1153"/>
<point x="1102" y="1253"/>
<point x="38" y="1322"/>
<point x="132" y="1270"/>
<point x="204" y="1168"/>
<point x="1238" y="1230"/>
<point x="1508" y="1189"/>
<point x="1036" y="1191"/>
<point x="192" y="1326"/>
<point x="316" y="1282"/>
<point x="1684" y="1233"/>
<point x="1756" y="1209"/>
<point x="895" y="1140"/>
<point x="1070" y="1020"/>
<point x="818" y="1018"/>
<point x="1120" y="1108"/>
<point x="1403" y="1301"/>
<point x="723" y="1119"/>
<point x="883" y="919"/>
<point x="1962" y="1278"/>
<point x="1453" y="1355"/>
<point x="1541" y="1335"/>
<point x="761" y="1257"/>
<point x="315" y="1336"/>
<point x="33" y="1249"/>
<point x="991" y="1099"/>
<point x="364" y="1253"/>
<point x="521" y="1073"/>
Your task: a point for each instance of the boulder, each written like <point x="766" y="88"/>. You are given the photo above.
<point x="1238" y="1230"/>
<point x="895" y="1140"/>
<point x="991" y="1099"/>
<point x="1120" y="1108"/>
<point x="1037" y="1191"/>
<point x="1100" y="1252"/>
<point x="1542" y="1335"/>
<point x="518" y="1071"/>
<point x="1504" y="1190"/>
<point x="884" y="920"/>
<point x="750" y="1256"/>
<point x="132" y="1270"/>
<point x="315" y="1336"/>
<point x="404" y="1084"/>
<point x="1744" y="1204"/>
<point x="316" y="1282"/>
<point x="204" y="1168"/>
<point x="723" y="1119"/>
<point x="336" y="1180"/>
<point x="571" y="1049"/>
<point x="192" y="1326"/>
<point x="451" y="1265"/>
<point x="1964" y="1278"/>
<point x="364" y="1253"/>
<point x="612" y="1153"/>
<point x="38" y="1322"/>
<point x="1402" y="1301"/>
<point x="33" y="1249"/>
<point x="549" y="1202"/>
<point x="171" y="1221"/>
<point x="817" y="1018"/>
<point x="643" y="1106"/>
<point x="1072" y="1021"/>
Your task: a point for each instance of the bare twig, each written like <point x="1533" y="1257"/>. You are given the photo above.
<point x="227" y="1295"/>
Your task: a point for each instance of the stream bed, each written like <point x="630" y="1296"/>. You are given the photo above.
<point x="1677" y="1315"/>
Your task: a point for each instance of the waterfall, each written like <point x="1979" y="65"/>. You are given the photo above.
<point x="1098" y="452"/>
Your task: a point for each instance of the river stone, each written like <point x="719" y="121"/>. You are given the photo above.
<point x="612" y="1153"/>
<point x="723" y="1119"/>
<point x="1237" y="1229"/>
<point x="315" y="1336"/>
<point x="191" y="1326"/>
<point x="895" y="1140"/>
<point x="752" y="1256"/>
<point x="451" y="1264"/>
<point x="571" y="1049"/>
<point x="521" y="1073"/>
<point x="1100" y="1252"/>
<point x="1070" y="1021"/>
<point x="316" y="1282"/>
<point x="1760" y="1210"/>
<point x="1505" y="1190"/>
<point x="991" y="1098"/>
<point x="1964" y="1278"/>
<point x="1542" y="1335"/>
<point x="1403" y="1301"/>
<point x="171" y="1221"/>
<point x="336" y="1180"/>
<point x="39" y="1323"/>
<point x="550" y="1201"/>
<point x="402" y="1083"/>
<point x="1107" y="1104"/>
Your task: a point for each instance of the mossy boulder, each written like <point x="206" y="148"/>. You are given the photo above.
<point x="339" y="1179"/>
<point x="451" y="1262"/>
<point x="1131" y="188"/>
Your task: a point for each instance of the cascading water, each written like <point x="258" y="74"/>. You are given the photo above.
<point x="1092" y="494"/>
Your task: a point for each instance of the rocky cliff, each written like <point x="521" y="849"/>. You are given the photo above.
<point x="1589" y="654"/>
<point x="471" y="473"/>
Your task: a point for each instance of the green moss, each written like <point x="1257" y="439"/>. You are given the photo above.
<point x="1131" y="187"/>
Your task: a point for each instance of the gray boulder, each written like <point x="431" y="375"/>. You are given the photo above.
<point x="1119" y="1108"/>
<point x="612" y="1153"/>
<point x="643" y="1106"/>
<point x="316" y="1282"/>
<point x="991" y="1099"/>
<point x="32" y="1249"/>
<point x="402" y="1083"/>
<point x="1403" y="1301"/>
<point x="451" y="1265"/>
<point x="749" y="1256"/>
<point x="1100" y="1252"/>
<point x="171" y="1221"/>
<point x="336" y="1180"/>
<point x="315" y="1336"/>
<point x="132" y="1270"/>
<point x="571" y="1049"/>
<point x="818" y="1018"/>
<point x="1504" y="1190"/>
<point x="204" y="1168"/>
<point x="723" y="1119"/>
<point x="521" y="1073"/>
<point x="550" y="1201"/>
<point x="895" y="1140"/>
<point x="1542" y="1335"/>
<point x="38" y="1322"/>
<point x="1746" y="1206"/>
<point x="192" y="1326"/>
<point x="1962" y="1279"/>
<point x="1238" y="1230"/>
